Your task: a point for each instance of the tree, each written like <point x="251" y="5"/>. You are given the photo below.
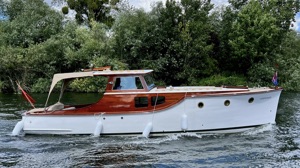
<point x="98" y="10"/>
<point x="284" y="11"/>
<point x="237" y="4"/>
<point x="174" y="40"/>
<point x="287" y="62"/>
<point x="252" y="32"/>
<point x="31" y="22"/>
<point x="197" y="41"/>
<point x="253" y="39"/>
<point x="2" y="9"/>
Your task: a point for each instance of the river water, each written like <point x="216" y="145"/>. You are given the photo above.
<point x="268" y="146"/>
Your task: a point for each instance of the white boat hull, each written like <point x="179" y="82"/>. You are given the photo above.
<point x="186" y="116"/>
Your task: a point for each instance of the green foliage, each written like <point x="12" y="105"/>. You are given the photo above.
<point x="93" y="10"/>
<point x="237" y="4"/>
<point x="31" y="22"/>
<point x="183" y="41"/>
<point x="288" y="62"/>
<point x="252" y="40"/>
<point x="14" y="8"/>
<point x="65" y="10"/>
<point x="13" y="66"/>
<point x="174" y="40"/>
<point x="114" y="63"/>
<point x="251" y="32"/>
<point x="58" y="49"/>
<point x="42" y="85"/>
<point x="219" y="80"/>
<point x="89" y="84"/>
<point x="1" y="85"/>
<point x="284" y="12"/>
<point x="2" y="8"/>
<point x="261" y="74"/>
<point x="6" y="87"/>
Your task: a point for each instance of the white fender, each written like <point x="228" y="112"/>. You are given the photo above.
<point x="18" y="128"/>
<point x="98" y="129"/>
<point x="184" y="122"/>
<point x="147" y="130"/>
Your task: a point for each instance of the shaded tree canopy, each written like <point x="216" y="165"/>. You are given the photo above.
<point x="30" y="22"/>
<point x="187" y="42"/>
<point x="172" y="39"/>
<point x="98" y="10"/>
<point x="252" y="31"/>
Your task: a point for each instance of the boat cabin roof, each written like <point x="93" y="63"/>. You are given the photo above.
<point x="103" y="71"/>
<point x="122" y="72"/>
<point x="60" y="76"/>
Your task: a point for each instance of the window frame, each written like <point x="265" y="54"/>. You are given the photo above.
<point x="140" y="103"/>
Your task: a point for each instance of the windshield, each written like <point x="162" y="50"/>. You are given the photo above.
<point x="149" y="81"/>
<point x="127" y="83"/>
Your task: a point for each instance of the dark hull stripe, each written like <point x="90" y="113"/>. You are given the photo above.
<point x="158" y="133"/>
<point x="189" y="131"/>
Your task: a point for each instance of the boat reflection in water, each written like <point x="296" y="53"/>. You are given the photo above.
<point x="132" y="104"/>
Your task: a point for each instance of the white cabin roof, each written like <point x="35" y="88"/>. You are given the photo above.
<point x="60" y="76"/>
<point x="122" y="72"/>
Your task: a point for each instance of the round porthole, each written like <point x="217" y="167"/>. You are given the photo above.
<point x="200" y="105"/>
<point x="227" y="103"/>
<point x="251" y="100"/>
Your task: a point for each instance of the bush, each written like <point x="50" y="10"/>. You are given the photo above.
<point x="1" y="85"/>
<point x="261" y="74"/>
<point x="6" y="87"/>
<point x="89" y="85"/>
<point x="219" y="80"/>
<point x="41" y="86"/>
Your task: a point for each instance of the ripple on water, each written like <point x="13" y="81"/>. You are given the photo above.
<point x="8" y="159"/>
<point x="111" y="155"/>
<point x="266" y="146"/>
<point x="11" y="115"/>
<point x="45" y="160"/>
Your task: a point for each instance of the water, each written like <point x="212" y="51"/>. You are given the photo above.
<point x="267" y="146"/>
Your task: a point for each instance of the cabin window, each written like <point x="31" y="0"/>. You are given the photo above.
<point x="138" y="83"/>
<point x="127" y="83"/>
<point x="160" y="100"/>
<point x="141" y="102"/>
<point x="150" y="82"/>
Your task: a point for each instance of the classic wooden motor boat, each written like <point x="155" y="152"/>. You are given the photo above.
<point x="132" y="104"/>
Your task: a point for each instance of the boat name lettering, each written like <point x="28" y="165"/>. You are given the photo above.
<point x="265" y="98"/>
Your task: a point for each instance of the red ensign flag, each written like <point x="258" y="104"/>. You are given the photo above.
<point x="26" y="95"/>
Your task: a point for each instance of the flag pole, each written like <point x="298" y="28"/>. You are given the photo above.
<point x="25" y="94"/>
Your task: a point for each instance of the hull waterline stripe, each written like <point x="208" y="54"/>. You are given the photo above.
<point x="188" y="131"/>
<point x="155" y="133"/>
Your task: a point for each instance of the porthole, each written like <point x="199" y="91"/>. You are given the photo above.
<point x="251" y="100"/>
<point x="201" y="105"/>
<point x="227" y="103"/>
